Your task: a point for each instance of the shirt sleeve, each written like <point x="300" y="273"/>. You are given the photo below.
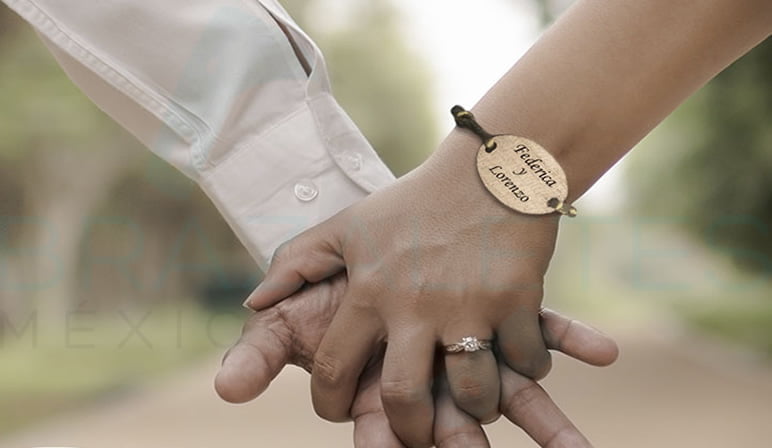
<point x="231" y="92"/>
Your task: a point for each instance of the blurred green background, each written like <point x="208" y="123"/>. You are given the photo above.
<point x="98" y="238"/>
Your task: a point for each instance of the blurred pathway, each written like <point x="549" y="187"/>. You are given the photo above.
<point x="655" y="396"/>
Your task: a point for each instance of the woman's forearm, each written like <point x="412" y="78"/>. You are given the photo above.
<point x="609" y="71"/>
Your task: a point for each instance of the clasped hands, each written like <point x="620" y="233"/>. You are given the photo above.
<point x="366" y="300"/>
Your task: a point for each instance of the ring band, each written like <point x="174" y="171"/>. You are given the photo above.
<point x="469" y="344"/>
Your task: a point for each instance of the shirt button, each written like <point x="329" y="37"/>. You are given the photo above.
<point x="306" y="190"/>
<point x="352" y="160"/>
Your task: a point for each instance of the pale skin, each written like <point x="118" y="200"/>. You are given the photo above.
<point x="435" y="257"/>
<point x="290" y="332"/>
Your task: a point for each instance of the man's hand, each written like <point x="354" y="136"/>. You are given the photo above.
<point x="290" y="332"/>
<point x="430" y="259"/>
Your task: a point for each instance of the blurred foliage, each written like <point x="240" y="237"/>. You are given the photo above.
<point x="378" y="79"/>
<point x="39" y="106"/>
<point x="42" y="373"/>
<point x="549" y="10"/>
<point x="746" y="323"/>
<point x="717" y="163"/>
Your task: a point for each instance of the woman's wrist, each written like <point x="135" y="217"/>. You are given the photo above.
<point x="451" y="176"/>
<point x="457" y="158"/>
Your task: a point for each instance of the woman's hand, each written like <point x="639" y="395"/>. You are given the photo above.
<point x="430" y="260"/>
<point x="291" y="332"/>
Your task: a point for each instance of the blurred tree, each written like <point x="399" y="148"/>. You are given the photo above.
<point x="51" y="136"/>
<point x="548" y="10"/>
<point x="718" y="162"/>
<point x="380" y="81"/>
<point x="8" y="25"/>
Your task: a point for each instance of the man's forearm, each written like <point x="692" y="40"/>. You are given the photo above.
<point x="220" y="122"/>
<point x="609" y="71"/>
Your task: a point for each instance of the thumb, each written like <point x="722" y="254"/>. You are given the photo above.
<point x="310" y="257"/>
<point x="577" y="340"/>
<point x="257" y="358"/>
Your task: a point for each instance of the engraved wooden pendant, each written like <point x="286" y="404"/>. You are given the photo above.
<point x="517" y="171"/>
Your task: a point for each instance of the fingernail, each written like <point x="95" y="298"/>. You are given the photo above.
<point x="248" y="303"/>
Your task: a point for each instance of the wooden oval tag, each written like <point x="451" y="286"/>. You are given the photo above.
<point x="522" y="175"/>
<point x="517" y="171"/>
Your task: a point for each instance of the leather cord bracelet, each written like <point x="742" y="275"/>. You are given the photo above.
<point x="517" y="171"/>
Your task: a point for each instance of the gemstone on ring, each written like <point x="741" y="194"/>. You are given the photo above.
<point x="468" y="344"/>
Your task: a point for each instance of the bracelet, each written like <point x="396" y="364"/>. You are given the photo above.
<point x="517" y="171"/>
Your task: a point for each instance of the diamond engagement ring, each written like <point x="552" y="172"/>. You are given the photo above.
<point x="469" y="344"/>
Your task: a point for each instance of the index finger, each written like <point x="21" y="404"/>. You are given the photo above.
<point x="371" y="426"/>
<point x="577" y="340"/>
<point x="527" y="405"/>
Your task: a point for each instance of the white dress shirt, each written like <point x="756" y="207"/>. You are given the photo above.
<point x="215" y="88"/>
